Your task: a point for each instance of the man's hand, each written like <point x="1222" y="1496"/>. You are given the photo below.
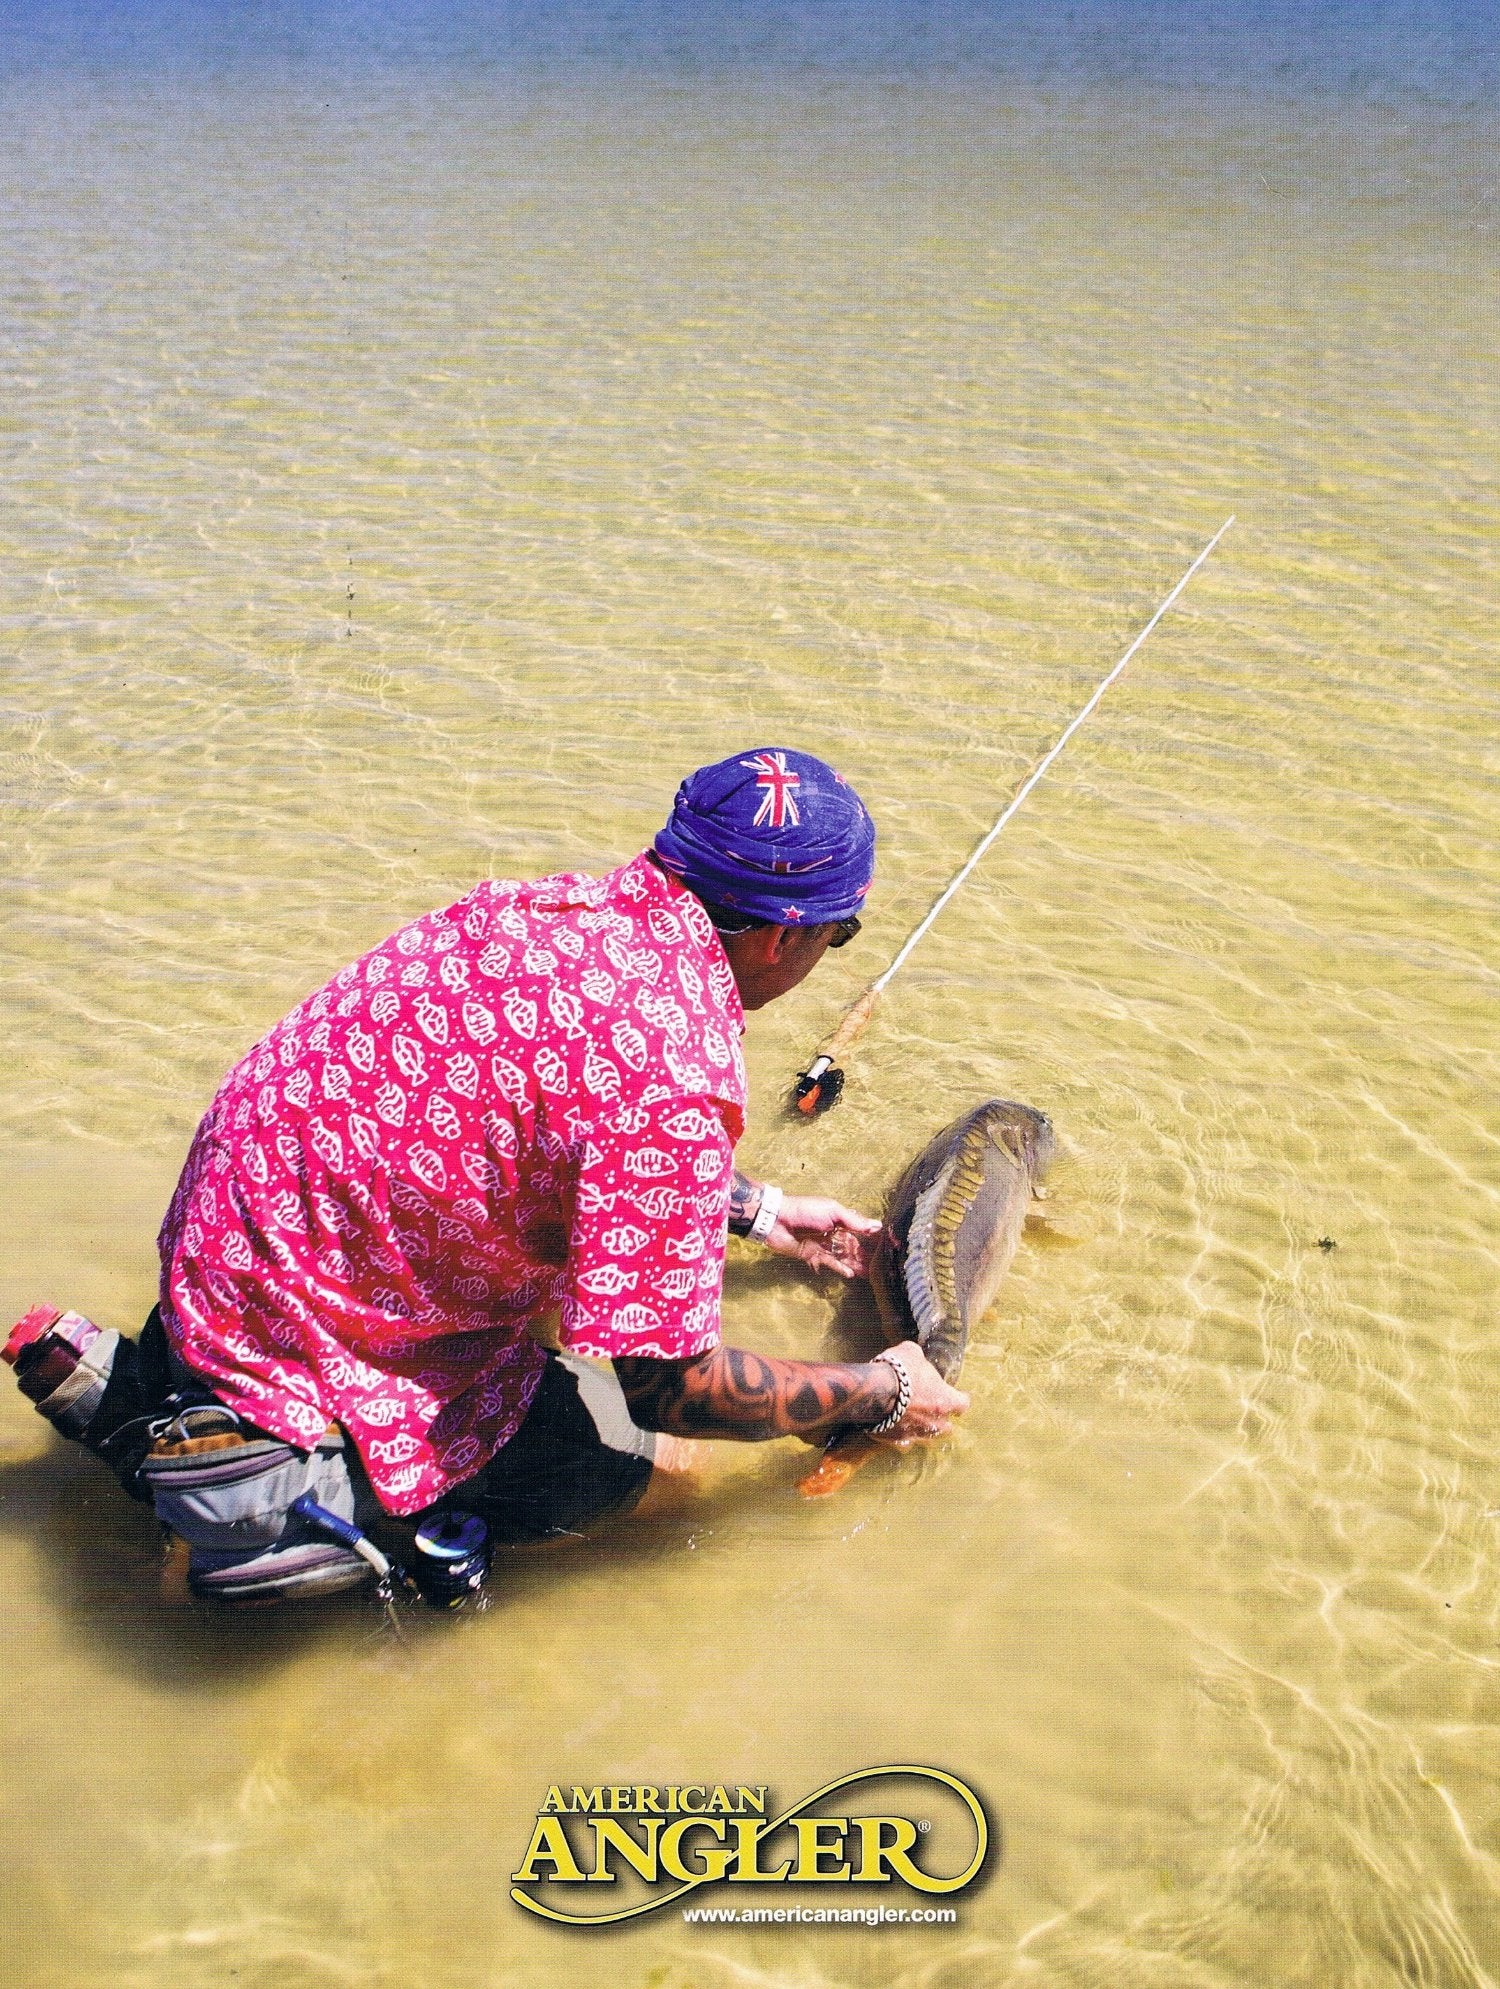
<point x="824" y="1234"/>
<point x="933" y="1403"/>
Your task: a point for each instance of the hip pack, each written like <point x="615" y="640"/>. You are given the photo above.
<point x="224" y="1488"/>
<point x="228" y="1491"/>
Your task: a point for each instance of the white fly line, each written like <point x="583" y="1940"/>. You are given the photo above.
<point x="811" y="1086"/>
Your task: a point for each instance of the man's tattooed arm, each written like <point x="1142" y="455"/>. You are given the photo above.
<point x="729" y="1393"/>
<point x="744" y="1200"/>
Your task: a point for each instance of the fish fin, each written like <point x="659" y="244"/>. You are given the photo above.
<point x="837" y="1466"/>
<point x="1040" y="1230"/>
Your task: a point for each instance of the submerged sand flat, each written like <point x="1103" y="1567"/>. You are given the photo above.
<point x="413" y="467"/>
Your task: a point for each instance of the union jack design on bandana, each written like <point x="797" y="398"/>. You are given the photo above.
<point x="778" y="805"/>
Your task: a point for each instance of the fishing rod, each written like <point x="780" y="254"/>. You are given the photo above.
<point x="820" y="1086"/>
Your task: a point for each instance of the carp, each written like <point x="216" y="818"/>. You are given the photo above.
<point x="952" y="1226"/>
<point x="955" y="1219"/>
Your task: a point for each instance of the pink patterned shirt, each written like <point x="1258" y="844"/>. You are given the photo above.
<point x="526" y="1101"/>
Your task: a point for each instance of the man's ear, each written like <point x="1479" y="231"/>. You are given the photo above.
<point x="761" y="946"/>
<point x="771" y="943"/>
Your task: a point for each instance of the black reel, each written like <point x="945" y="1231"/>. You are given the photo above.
<point x="817" y="1089"/>
<point x="451" y="1559"/>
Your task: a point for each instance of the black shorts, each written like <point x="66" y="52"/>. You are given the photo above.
<point x="576" y="1459"/>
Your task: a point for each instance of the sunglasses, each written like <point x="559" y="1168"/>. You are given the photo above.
<point x="843" y="931"/>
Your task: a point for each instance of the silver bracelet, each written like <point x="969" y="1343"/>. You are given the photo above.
<point x="766" y="1214"/>
<point x="903" y="1393"/>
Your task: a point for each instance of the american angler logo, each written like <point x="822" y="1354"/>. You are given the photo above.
<point x="672" y="1840"/>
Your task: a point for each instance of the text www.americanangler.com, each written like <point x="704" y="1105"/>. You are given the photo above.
<point x="802" y="1916"/>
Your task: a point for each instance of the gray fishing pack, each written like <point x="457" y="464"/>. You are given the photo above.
<point x="225" y="1489"/>
<point x="228" y="1492"/>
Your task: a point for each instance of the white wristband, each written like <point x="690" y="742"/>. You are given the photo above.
<point x="766" y="1214"/>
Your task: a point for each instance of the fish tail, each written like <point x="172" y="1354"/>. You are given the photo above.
<point x="837" y="1466"/>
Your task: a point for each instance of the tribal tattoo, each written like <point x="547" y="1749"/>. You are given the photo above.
<point x="730" y="1393"/>
<point x="744" y="1200"/>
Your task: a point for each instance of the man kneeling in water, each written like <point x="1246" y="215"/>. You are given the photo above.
<point x="520" y="1107"/>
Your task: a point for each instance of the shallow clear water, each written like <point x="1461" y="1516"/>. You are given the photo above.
<point x="413" y="466"/>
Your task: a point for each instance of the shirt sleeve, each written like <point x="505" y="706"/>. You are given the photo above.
<point x="646" y="1247"/>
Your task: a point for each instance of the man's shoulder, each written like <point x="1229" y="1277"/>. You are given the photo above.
<point x="559" y="895"/>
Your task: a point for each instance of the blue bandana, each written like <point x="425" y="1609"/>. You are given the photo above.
<point x="775" y="834"/>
